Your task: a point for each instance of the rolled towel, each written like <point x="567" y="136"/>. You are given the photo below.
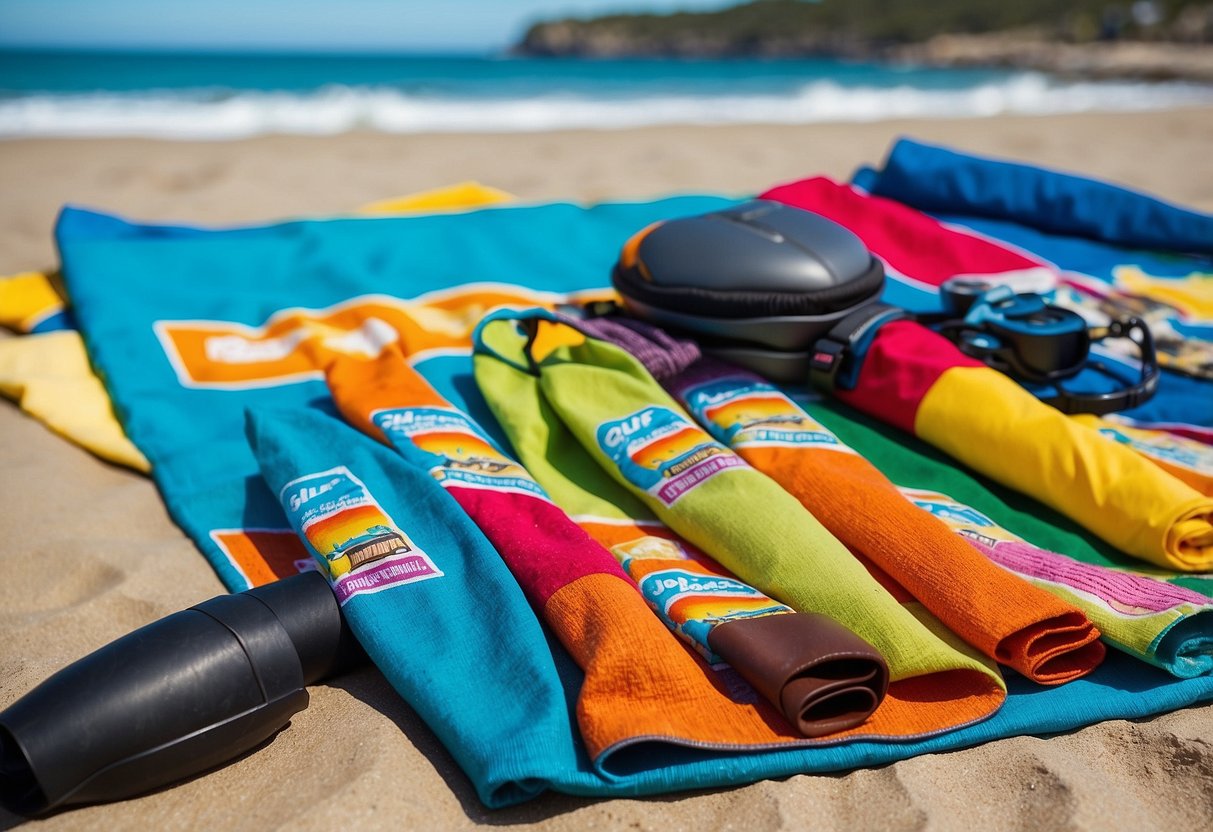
<point x="1166" y="625"/>
<point x="1041" y="636"/>
<point x="917" y="380"/>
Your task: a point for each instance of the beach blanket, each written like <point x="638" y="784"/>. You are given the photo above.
<point x="190" y="327"/>
<point x="47" y="372"/>
<point x="48" y="375"/>
<point x="30" y="302"/>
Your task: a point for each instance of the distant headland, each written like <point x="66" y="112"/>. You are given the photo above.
<point x="1146" y="39"/>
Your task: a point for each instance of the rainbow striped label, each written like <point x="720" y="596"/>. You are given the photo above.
<point x="662" y="453"/>
<point x="692" y="603"/>
<point x="964" y="520"/>
<point x="453" y="449"/>
<point x="747" y="413"/>
<point x="359" y="546"/>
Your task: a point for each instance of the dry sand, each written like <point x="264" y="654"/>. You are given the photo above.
<point x="89" y="552"/>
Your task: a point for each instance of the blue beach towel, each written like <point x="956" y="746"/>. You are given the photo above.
<point x="189" y="328"/>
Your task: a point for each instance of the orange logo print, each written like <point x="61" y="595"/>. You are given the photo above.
<point x="263" y="555"/>
<point x="295" y="344"/>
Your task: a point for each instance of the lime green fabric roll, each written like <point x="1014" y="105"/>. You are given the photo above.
<point x="634" y="431"/>
<point x="542" y="443"/>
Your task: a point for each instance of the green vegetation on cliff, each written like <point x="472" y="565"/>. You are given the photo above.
<point x="860" y="27"/>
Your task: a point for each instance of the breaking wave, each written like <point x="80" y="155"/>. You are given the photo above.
<point x="217" y="114"/>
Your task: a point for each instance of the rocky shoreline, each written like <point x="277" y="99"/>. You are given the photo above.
<point x="1139" y="60"/>
<point x="1100" y="60"/>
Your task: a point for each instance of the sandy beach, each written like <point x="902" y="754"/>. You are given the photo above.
<point x="90" y="552"/>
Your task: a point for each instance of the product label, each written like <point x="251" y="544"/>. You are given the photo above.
<point x="692" y="603"/>
<point x="650" y="547"/>
<point x="351" y="536"/>
<point x="747" y="413"/>
<point x="454" y="449"/>
<point x="295" y="344"/>
<point x="1174" y="450"/>
<point x="662" y="453"/>
<point x="962" y="519"/>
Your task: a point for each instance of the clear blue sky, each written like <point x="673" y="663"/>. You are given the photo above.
<point x="463" y="25"/>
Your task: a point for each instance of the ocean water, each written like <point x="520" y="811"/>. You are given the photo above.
<point x="217" y="96"/>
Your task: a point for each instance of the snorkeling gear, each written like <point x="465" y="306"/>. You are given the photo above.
<point x="1019" y="334"/>
<point x="174" y="698"/>
<point x="793" y="296"/>
<point x="1039" y="344"/>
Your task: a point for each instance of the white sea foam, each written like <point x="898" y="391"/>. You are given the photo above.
<point x="338" y="109"/>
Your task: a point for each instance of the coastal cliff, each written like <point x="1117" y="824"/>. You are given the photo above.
<point x="1088" y="38"/>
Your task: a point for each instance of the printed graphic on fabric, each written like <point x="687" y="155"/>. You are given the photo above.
<point x="360" y="547"/>
<point x="264" y="555"/>
<point x="1172" y="307"/>
<point x="662" y="453"/>
<point x="1122" y="593"/>
<point x="1183" y="453"/>
<point x="650" y="546"/>
<point x="453" y="448"/>
<point x="642" y="539"/>
<point x="1190" y="296"/>
<point x="295" y="344"/>
<point x="692" y="603"/>
<point x="747" y="413"/>
<point x="964" y="520"/>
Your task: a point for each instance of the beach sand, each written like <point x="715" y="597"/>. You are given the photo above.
<point x="89" y="552"/>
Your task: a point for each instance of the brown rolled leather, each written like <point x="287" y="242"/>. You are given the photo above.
<point x="823" y="677"/>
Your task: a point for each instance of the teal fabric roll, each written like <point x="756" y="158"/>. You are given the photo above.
<point x="445" y="621"/>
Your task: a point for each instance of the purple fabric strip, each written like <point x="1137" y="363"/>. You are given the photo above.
<point x="1121" y="592"/>
<point x="676" y="363"/>
<point x="663" y="355"/>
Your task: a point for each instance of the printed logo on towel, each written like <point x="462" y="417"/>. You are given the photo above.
<point x="662" y="453"/>
<point x="632" y="538"/>
<point x="1175" y="309"/>
<point x="649" y="547"/>
<point x="263" y="555"/>
<point x="351" y="536"/>
<point x="454" y="449"/>
<point x="960" y="518"/>
<point x="1173" y="450"/>
<point x="294" y="345"/>
<point x="692" y="603"/>
<point x="745" y="413"/>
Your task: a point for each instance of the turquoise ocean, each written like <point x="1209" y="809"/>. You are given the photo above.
<point x="222" y="96"/>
